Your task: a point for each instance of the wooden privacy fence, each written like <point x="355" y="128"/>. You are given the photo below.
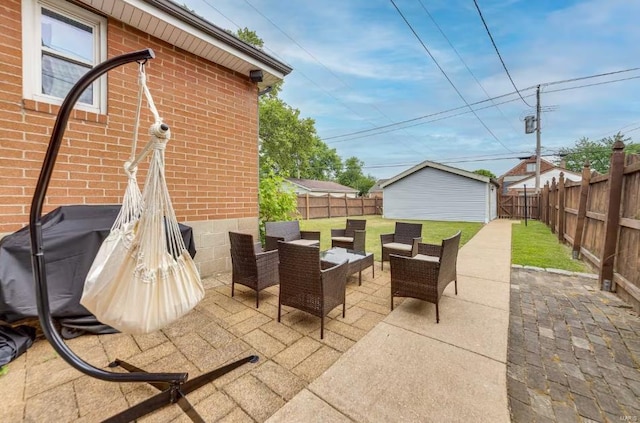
<point x="323" y="206"/>
<point x="600" y="217"/>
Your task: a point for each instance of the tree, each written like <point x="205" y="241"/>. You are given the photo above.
<point x="597" y="153"/>
<point x="485" y="172"/>
<point x="325" y="164"/>
<point x="249" y="37"/>
<point x="275" y="203"/>
<point x="290" y="142"/>
<point x="353" y="177"/>
<point x="286" y="139"/>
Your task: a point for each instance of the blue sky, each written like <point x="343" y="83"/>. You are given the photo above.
<point x="358" y="66"/>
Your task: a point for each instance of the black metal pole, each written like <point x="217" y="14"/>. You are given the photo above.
<point x="37" y="252"/>
<point x="525" y="205"/>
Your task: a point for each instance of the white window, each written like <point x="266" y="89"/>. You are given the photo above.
<point x="61" y="42"/>
<point x="531" y="167"/>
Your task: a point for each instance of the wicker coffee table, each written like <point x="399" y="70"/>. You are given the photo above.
<point x="358" y="260"/>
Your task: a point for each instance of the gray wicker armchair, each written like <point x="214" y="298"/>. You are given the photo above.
<point x="257" y="270"/>
<point x="305" y="285"/>
<point x="402" y="242"/>
<point x="426" y="275"/>
<point x="288" y="231"/>
<point x="353" y="237"/>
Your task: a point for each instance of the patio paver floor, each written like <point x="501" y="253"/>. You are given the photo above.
<point x="40" y="386"/>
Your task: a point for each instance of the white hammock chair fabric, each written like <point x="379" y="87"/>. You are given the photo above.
<point x="143" y="277"/>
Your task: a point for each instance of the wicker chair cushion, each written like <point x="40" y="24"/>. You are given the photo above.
<point x="398" y="246"/>
<point x="427" y="258"/>
<point x="342" y="238"/>
<point x="306" y="242"/>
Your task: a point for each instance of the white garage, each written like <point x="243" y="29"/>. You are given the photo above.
<point x="433" y="191"/>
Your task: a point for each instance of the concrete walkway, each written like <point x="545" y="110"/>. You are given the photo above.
<point x="408" y="368"/>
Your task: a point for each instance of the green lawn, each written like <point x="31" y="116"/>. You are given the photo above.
<point x="432" y="231"/>
<point x="535" y="245"/>
<point x="532" y="245"/>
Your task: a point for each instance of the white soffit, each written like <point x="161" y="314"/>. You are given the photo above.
<point x="159" y="23"/>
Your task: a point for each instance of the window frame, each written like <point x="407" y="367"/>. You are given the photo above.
<point x="531" y="167"/>
<point x="32" y="51"/>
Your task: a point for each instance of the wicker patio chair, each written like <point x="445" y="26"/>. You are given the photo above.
<point x="288" y="231"/>
<point x="402" y="242"/>
<point x="250" y="266"/>
<point x="426" y="275"/>
<point x="352" y="237"/>
<point x="305" y="285"/>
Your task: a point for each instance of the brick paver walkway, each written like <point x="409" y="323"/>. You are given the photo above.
<point x="574" y="351"/>
<point x="41" y="387"/>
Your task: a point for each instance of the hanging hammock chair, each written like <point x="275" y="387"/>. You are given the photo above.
<point x="143" y="277"/>
<point x="171" y="264"/>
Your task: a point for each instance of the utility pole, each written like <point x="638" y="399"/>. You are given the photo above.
<point x="538" y="140"/>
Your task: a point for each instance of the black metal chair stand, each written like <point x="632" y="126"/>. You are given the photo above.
<point x="173" y="386"/>
<point x="172" y="392"/>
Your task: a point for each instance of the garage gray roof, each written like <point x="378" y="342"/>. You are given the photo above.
<point x="321" y="186"/>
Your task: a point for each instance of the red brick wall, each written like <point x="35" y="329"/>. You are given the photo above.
<point x="521" y="168"/>
<point x="211" y="160"/>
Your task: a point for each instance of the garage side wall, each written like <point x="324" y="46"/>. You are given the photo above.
<point x="432" y="194"/>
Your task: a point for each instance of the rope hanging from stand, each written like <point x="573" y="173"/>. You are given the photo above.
<point x="143" y="277"/>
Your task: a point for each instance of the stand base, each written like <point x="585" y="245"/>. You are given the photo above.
<point x="172" y="393"/>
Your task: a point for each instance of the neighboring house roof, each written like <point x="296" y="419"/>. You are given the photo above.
<point x="521" y="168"/>
<point x="179" y="27"/>
<point x="321" y="186"/>
<point x="377" y="187"/>
<point x="438" y="166"/>
<point x="546" y="177"/>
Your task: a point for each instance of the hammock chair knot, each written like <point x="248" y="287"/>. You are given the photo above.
<point x="160" y="130"/>
<point x="130" y="170"/>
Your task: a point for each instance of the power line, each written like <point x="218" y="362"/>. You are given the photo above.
<point x="325" y="67"/>
<point x="447" y="76"/>
<point x="429" y="121"/>
<point x="433" y="120"/>
<point x="498" y="52"/>
<point x="463" y="62"/>
<point x="608" y="133"/>
<point x="622" y="127"/>
<point x="473" y="104"/>
<point x="592" y="85"/>
<point x="294" y="41"/>
<point x="459" y="160"/>
<point x="429" y="115"/>
<point x="321" y="64"/>
<point x="564" y="81"/>
<point x="273" y="53"/>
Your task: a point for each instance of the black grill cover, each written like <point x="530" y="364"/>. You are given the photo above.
<point x="71" y="238"/>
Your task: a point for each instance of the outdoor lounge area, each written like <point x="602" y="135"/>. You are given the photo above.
<point x="220" y="329"/>
<point x="158" y="264"/>
<point x="370" y="365"/>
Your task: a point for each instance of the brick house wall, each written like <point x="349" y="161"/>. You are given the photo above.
<point x="211" y="160"/>
<point x="519" y="172"/>
<point x="521" y="168"/>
